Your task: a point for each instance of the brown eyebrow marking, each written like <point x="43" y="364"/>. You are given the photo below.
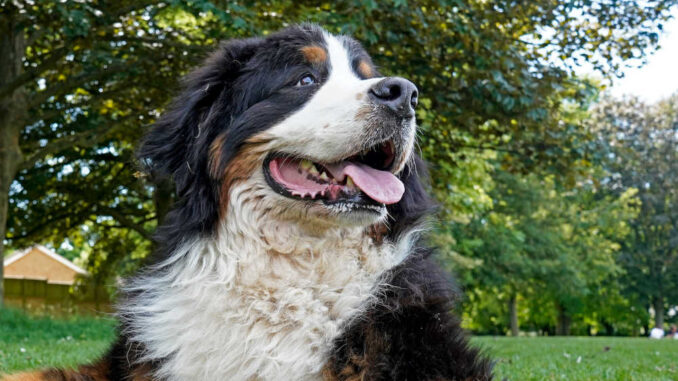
<point x="365" y="69"/>
<point x="314" y="53"/>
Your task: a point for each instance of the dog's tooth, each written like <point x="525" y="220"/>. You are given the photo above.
<point x="306" y="165"/>
<point x="323" y="176"/>
<point x="313" y="170"/>
<point x="349" y="182"/>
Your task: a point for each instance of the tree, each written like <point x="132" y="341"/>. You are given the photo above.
<point x="641" y="144"/>
<point x="78" y="81"/>
<point x="86" y="75"/>
<point x="542" y="239"/>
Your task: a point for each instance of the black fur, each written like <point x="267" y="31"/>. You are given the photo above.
<point x="410" y="334"/>
<point x="415" y="203"/>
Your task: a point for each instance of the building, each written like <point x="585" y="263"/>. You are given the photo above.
<point x="40" y="263"/>
<point x="39" y="280"/>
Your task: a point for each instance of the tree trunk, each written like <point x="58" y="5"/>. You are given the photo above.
<point x="513" y="314"/>
<point x="12" y="110"/>
<point x="609" y="328"/>
<point x="564" y="322"/>
<point x="9" y="159"/>
<point x="658" y="305"/>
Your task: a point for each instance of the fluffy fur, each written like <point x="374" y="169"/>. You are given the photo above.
<point x="252" y="282"/>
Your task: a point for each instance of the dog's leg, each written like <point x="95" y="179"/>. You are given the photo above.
<point x="96" y="372"/>
<point x="410" y="335"/>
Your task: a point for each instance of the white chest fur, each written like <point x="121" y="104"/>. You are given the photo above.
<point x="259" y="302"/>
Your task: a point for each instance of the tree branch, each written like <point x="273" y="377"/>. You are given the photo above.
<point x="35" y="72"/>
<point x="164" y="41"/>
<point x="77" y="81"/>
<point x="85" y="138"/>
<point x="490" y="148"/>
<point x="66" y="212"/>
<point x="126" y="222"/>
<point x="137" y="6"/>
<point x="95" y="100"/>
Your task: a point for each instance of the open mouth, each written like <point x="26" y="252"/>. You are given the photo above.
<point x="364" y="178"/>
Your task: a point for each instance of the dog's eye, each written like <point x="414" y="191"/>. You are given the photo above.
<point x="306" y="80"/>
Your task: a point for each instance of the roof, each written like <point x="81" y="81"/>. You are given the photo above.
<point x="50" y="253"/>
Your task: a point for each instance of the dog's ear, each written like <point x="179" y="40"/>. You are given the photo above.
<point x="415" y="203"/>
<point x="176" y="145"/>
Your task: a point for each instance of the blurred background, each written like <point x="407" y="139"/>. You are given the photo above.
<point x="550" y="127"/>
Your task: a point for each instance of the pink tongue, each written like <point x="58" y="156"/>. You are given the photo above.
<point x="381" y="186"/>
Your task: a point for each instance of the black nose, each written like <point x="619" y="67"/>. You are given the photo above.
<point x="399" y="94"/>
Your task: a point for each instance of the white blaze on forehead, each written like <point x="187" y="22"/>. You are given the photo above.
<point x="340" y="61"/>
<point x="328" y="126"/>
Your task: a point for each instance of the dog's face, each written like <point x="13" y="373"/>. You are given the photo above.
<point x="299" y="122"/>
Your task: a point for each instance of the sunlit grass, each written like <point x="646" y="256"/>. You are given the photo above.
<point x="582" y="358"/>
<point x="32" y="343"/>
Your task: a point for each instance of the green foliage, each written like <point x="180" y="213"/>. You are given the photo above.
<point x="554" y="246"/>
<point x="593" y="257"/>
<point x="500" y="114"/>
<point x="641" y="144"/>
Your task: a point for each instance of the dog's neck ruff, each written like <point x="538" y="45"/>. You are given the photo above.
<point x="262" y="300"/>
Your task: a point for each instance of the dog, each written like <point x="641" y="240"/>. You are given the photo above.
<point x="293" y="251"/>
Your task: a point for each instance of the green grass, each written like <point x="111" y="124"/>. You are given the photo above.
<point x="30" y="343"/>
<point x="582" y="358"/>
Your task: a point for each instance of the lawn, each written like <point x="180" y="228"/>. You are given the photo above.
<point x="582" y="358"/>
<point x="29" y="343"/>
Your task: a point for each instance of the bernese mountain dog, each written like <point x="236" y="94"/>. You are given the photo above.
<point x="293" y="252"/>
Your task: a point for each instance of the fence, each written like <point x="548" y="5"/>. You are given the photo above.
<point x="42" y="296"/>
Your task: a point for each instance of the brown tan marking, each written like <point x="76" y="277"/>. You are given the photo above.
<point x="365" y="69"/>
<point x="142" y="373"/>
<point x="95" y="372"/>
<point x="314" y="54"/>
<point x="215" y="155"/>
<point x="34" y="376"/>
<point x="377" y="232"/>
<point x="98" y="371"/>
<point x="357" y="365"/>
<point x="242" y="165"/>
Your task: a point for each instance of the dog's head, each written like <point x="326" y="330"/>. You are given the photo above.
<point x="300" y="124"/>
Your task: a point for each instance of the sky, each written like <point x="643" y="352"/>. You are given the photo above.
<point x="659" y="77"/>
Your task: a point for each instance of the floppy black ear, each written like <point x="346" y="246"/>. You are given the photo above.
<point x="177" y="146"/>
<point x="415" y="203"/>
<point x="174" y="145"/>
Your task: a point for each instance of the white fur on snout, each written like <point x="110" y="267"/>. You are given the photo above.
<point x="329" y="126"/>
